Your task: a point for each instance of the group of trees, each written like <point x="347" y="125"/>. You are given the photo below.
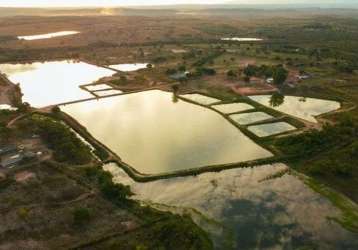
<point x="259" y="71"/>
<point x="278" y="73"/>
<point x="66" y="145"/>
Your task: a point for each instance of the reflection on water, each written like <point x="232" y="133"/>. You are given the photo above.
<point x="233" y="107"/>
<point x="108" y="92"/>
<point x="129" y="67"/>
<point x="201" y="99"/>
<point x="277" y="99"/>
<point x="154" y="135"/>
<point x="54" y="82"/>
<point x="247" y="118"/>
<point x="241" y="211"/>
<point x="271" y="128"/>
<point x="306" y="108"/>
<point x="49" y="35"/>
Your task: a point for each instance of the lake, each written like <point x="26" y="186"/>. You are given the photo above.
<point x="53" y="82"/>
<point x="248" y="208"/>
<point x="48" y="35"/>
<point x="129" y="66"/>
<point x="154" y="135"/>
<point x="241" y="39"/>
<point x="304" y="108"/>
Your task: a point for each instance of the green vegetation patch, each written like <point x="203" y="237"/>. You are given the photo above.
<point x="66" y="145"/>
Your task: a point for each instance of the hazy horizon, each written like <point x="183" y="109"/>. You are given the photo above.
<point x="119" y="3"/>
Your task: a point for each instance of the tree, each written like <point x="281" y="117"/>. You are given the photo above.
<point x="250" y="71"/>
<point x="277" y="99"/>
<point x="280" y="75"/>
<point x="231" y="74"/>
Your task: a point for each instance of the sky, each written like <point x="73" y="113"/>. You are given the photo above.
<point x="104" y="3"/>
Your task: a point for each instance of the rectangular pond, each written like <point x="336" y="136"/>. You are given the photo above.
<point x="54" y="82"/>
<point x="271" y="129"/>
<point x="304" y="108"/>
<point x="201" y="99"/>
<point x="247" y="118"/>
<point x="48" y="35"/>
<point x="153" y="134"/>
<point x="232" y="107"/>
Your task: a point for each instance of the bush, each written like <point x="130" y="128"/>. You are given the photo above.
<point x="81" y="216"/>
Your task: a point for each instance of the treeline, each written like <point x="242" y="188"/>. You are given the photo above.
<point x="66" y="145"/>
<point x="115" y="192"/>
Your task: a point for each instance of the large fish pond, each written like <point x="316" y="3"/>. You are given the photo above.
<point x="154" y="134"/>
